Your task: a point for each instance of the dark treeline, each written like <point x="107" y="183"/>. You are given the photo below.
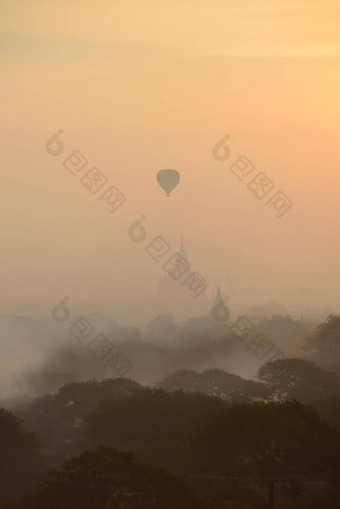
<point x="196" y="439"/>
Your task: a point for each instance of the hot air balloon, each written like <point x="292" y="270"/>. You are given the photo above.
<point x="168" y="180"/>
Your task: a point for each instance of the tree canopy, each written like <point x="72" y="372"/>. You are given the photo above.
<point x="215" y="382"/>
<point x="20" y="461"/>
<point x="109" y="479"/>
<point x="276" y="442"/>
<point x="156" y="424"/>
<point x="324" y="346"/>
<point x="299" y="379"/>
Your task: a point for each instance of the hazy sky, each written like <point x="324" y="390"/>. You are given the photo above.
<point x="141" y="86"/>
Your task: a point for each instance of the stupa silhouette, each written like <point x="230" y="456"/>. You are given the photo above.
<point x="172" y="297"/>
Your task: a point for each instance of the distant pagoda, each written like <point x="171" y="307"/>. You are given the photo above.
<point x="174" y="298"/>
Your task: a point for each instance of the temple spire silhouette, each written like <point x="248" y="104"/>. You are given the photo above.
<point x="218" y="296"/>
<point x="175" y="298"/>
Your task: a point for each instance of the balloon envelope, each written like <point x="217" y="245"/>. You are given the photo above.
<point x="168" y="180"/>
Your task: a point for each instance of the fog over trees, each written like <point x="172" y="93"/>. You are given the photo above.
<point x="189" y="430"/>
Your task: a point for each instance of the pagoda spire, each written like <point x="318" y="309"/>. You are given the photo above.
<point x="218" y="297"/>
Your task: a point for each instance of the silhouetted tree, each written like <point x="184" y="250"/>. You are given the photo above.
<point x="215" y="382"/>
<point x="324" y="346"/>
<point x="285" y="332"/>
<point x="299" y="379"/>
<point x="269" y="440"/>
<point x="20" y="460"/>
<point x="110" y="479"/>
<point x="57" y="418"/>
<point x="155" y="424"/>
<point x="329" y="409"/>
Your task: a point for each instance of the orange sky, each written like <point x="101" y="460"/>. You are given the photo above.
<point x="140" y="86"/>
